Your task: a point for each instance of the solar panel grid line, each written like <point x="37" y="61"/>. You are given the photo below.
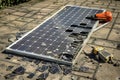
<point x="78" y="18"/>
<point x="66" y="13"/>
<point x="70" y="24"/>
<point x="56" y="38"/>
<point x="59" y="16"/>
<point x="35" y="28"/>
<point x="62" y="13"/>
<point x="61" y="33"/>
<point x="51" y="28"/>
<point x="82" y="21"/>
<point x="72" y="17"/>
<point x="65" y="17"/>
<point x="49" y="40"/>
<point x="86" y="16"/>
<point x="48" y="25"/>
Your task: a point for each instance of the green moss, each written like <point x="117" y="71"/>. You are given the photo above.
<point x="5" y="3"/>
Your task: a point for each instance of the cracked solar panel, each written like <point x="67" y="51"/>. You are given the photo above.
<point x="59" y="37"/>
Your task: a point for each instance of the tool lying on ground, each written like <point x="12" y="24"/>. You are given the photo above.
<point x="101" y="54"/>
<point x="104" y="16"/>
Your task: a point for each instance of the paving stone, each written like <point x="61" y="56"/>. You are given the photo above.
<point x="25" y="19"/>
<point x="101" y="33"/>
<point x="46" y="10"/>
<point x="114" y="7"/>
<point x="61" y="4"/>
<point x="116" y="26"/>
<point x="105" y="43"/>
<point x="6" y="30"/>
<point x="18" y="23"/>
<point x="117" y="20"/>
<point x="7" y="10"/>
<point x="34" y="8"/>
<point x="30" y="26"/>
<point x="114" y="14"/>
<point x="109" y="25"/>
<point x="33" y="11"/>
<point x="10" y="17"/>
<point x="19" y="13"/>
<point x="37" y="21"/>
<point x="2" y="46"/>
<point x="53" y="7"/>
<point x="43" y="14"/>
<point x="114" y="35"/>
<point x="107" y="70"/>
<point x="19" y="9"/>
<point x="67" y="77"/>
<point x="28" y="15"/>
<point x="112" y="10"/>
<point x="91" y="40"/>
<point x="38" y="16"/>
<point x="118" y="15"/>
<point x="109" y="50"/>
<point x="10" y="25"/>
<point x="98" y="3"/>
<point x="1" y="24"/>
<point x="71" y="3"/>
<point x="112" y="4"/>
<point x="117" y="10"/>
<point x="24" y="9"/>
<point x="116" y="53"/>
<point x="40" y="5"/>
<point x="2" y="15"/>
<point x="31" y="14"/>
<point x="31" y="67"/>
<point x="89" y="2"/>
<point x="98" y="6"/>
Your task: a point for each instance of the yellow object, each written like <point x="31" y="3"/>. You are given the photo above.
<point x="103" y="55"/>
<point x="97" y="49"/>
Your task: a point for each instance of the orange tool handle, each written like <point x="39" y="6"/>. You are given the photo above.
<point x="106" y="16"/>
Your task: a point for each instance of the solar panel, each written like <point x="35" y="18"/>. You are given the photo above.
<point x="59" y="37"/>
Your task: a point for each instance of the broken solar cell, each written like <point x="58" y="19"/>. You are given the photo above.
<point x="67" y="71"/>
<point x="42" y="76"/>
<point x="31" y="75"/>
<point x="10" y="76"/>
<point x="43" y="68"/>
<point x="54" y="68"/>
<point x="20" y="70"/>
<point x="49" y="40"/>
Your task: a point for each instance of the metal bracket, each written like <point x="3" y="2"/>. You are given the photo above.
<point x="99" y="27"/>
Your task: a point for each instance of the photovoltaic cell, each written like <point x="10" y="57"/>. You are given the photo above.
<point x="50" y="40"/>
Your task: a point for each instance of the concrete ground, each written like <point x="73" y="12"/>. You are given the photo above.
<point x="26" y="16"/>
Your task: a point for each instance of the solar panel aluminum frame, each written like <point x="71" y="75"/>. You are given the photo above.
<point x="49" y="58"/>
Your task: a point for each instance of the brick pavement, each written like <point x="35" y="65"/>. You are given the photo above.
<point x="26" y="16"/>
